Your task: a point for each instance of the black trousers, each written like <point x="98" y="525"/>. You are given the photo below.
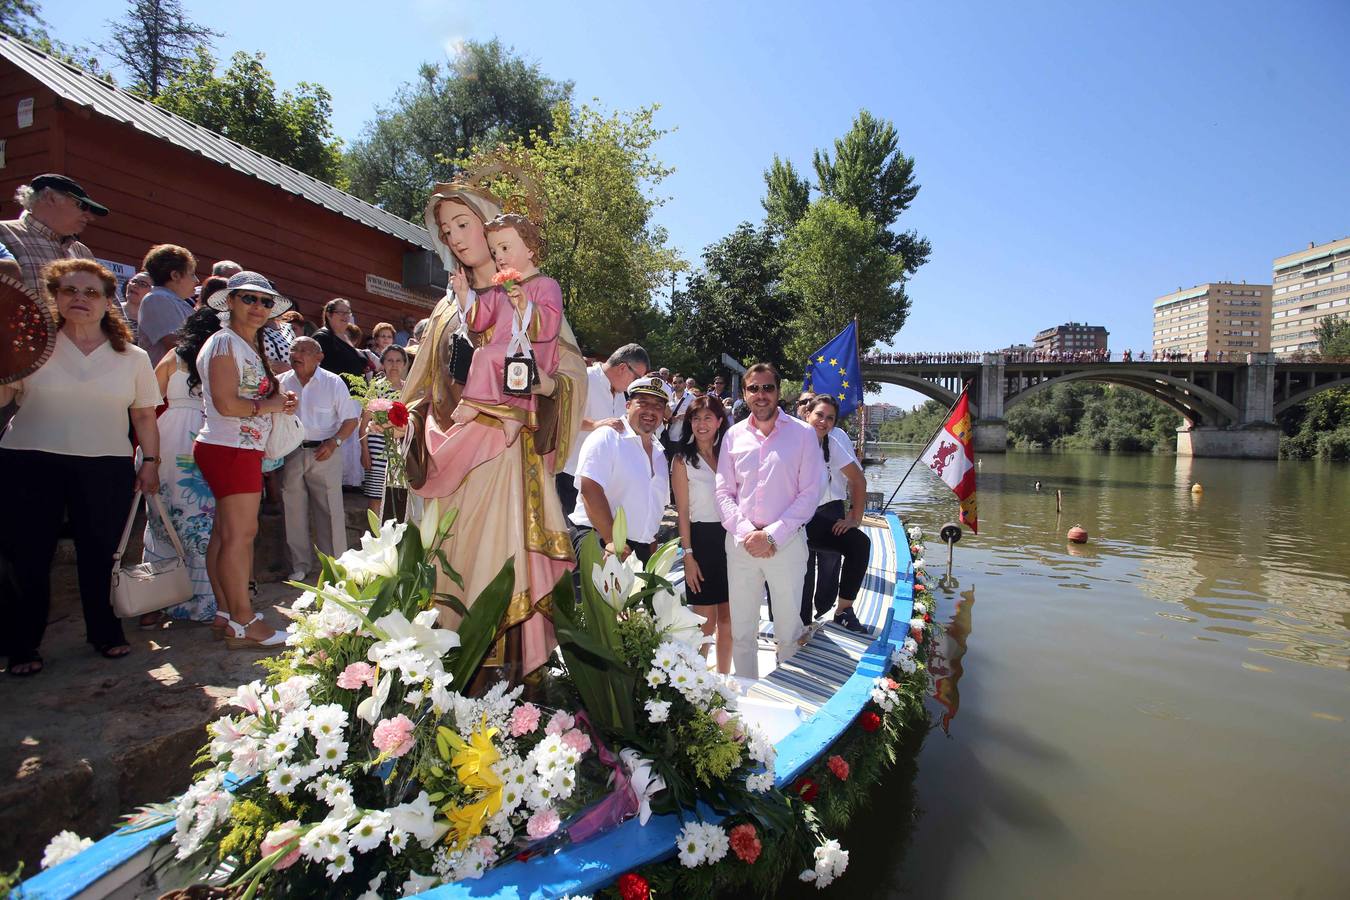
<point x="642" y="551"/>
<point x="853" y="545"/>
<point x="94" y="492"/>
<point x="567" y="492"/>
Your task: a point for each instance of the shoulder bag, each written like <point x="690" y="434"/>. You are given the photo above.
<point x="150" y="586"/>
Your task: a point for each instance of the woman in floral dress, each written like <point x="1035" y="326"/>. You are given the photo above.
<point x="186" y="496"/>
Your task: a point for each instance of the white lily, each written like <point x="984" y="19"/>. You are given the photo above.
<point x="418" y="818"/>
<point x="427" y="639"/>
<point x="678" y="621"/>
<point x="430" y="522"/>
<point x="614" y="579"/>
<point x="369" y="708"/>
<point x="646" y="783"/>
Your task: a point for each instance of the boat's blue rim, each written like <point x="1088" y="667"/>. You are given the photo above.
<point x="581" y="868"/>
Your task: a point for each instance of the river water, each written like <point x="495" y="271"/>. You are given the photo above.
<point x="1159" y="713"/>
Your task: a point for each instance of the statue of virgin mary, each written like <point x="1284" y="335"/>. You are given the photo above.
<point x="508" y="507"/>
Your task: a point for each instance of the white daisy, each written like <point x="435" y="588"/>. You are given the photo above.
<point x="657" y="710"/>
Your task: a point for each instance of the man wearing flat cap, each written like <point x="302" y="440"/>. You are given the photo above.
<point x="55" y="210"/>
<point x="625" y="468"/>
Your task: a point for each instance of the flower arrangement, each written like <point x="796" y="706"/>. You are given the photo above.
<point x="357" y="767"/>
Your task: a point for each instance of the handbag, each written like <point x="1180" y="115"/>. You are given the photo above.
<point x="287" y="434"/>
<point x="150" y="586"/>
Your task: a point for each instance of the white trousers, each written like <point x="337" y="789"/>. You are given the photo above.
<point x="310" y="486"/>
<point x="783" y="574"/>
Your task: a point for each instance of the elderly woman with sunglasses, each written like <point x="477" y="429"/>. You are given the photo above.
<point x="240" y="393"/>
<point x="66" y="454"/>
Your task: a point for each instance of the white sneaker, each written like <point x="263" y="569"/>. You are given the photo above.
<point x="299" y="574"/>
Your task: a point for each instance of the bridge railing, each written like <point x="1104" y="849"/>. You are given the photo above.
<point x="962" y="357"/>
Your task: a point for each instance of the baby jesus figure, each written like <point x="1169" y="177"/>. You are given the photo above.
<point x="511" y="324"/>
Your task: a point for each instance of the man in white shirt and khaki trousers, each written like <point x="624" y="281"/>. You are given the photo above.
<point x="312" y="476"/>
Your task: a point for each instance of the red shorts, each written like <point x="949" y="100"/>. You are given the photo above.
<point x="229" y="470"/>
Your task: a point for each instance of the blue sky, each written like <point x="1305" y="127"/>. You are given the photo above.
<point x="1077" y="159"/>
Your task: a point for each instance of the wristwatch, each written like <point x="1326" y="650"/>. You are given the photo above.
<point x="337" y="441"/>
<point x="146" y="459"/>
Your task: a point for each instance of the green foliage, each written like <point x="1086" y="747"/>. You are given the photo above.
<point x="484" y="96"/>
<point x="836" y="267"/>
<point x="709" y="751"/>
<point x="23" y="19"/>
<point x="734" y="304"/>
<point x="1087" y="416"/>
<point x="1333" y="336"/>
<point x="915" y="426"/>
<point x="1318" y="428"/>
<point x="786" y="196"/>
<point x="596" y="172"/>
<point x="243" y="104"/>
<point x="155" y="41"/>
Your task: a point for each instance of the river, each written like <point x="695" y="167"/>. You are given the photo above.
<point x="1161" y="712"/>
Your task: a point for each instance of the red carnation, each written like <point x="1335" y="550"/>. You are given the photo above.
<point x="398" y="414"/>
<point x="634" y="887"/>
<point x="869" y="721"/>
<point x="919" y="587"/>
<point x="806" y="789"/>
<point x="928" y="617"/>
<point x="745" y="843"/>
<point x="839" y="767"/>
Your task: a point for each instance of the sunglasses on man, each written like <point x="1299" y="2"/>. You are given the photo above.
<point x="760" y="388"/>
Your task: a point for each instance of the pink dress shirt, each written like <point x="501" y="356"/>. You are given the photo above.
<point x="770" y="482"/>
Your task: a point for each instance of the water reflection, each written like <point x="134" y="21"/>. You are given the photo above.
<point x="945" y="660"/>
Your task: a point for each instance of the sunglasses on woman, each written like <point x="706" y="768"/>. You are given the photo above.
<point x="250" y="299"/>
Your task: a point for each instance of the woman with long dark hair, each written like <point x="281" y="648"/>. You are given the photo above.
<point x="693" y="479"/>
<point x="832" y="528"/>
<point x="239" y="393"/>
<point x="186" y="495"/>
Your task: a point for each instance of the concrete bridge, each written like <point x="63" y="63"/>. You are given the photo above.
<point x="1230" y="408"/>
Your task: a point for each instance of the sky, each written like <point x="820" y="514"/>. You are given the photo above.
<point x="1077" y="160"/>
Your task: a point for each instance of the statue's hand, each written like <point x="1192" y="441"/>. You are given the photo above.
<point x="459" y="282"/>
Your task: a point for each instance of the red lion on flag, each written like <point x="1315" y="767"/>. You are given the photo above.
<point x="951" y="456"/>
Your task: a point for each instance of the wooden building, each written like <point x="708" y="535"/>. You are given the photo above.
<point x="167" y="180"/>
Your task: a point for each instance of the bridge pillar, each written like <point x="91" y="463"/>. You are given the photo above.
<point x="1256" y="389"/>
<point x="991" y="431"/>
<point x="1257" y="441"/>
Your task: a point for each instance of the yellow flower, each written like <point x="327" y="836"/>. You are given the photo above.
<point x="474" y="758"/>
<point x="467" y="822"/>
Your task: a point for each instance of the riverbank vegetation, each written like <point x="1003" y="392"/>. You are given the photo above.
<point x="1320" y="428"/>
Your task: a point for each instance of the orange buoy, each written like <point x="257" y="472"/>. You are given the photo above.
<point x="1078" y="534"/>
<point x="1197" y="488"/>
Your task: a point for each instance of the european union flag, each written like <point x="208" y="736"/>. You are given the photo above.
<point x="835" y="369"/>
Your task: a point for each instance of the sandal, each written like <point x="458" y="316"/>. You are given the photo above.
<point x="222" y="620"/>
<point x="153" y="621"/>
<point x="236" y="640"/>
<point x="110" y="651"/>
<point x="31" y="660"/>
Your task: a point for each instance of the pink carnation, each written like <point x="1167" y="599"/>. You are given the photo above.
<point x="542" y="824"/>
<point x="524" y="719"/>
<point x="839" y="766"/>
<point x="394" y="736"/>
<point x="283" y="834"/>
<point x="380" y="404"/>
<point x="356" y="675"/>
<point x="560" y="722"/>
<point x="577" y="740"/>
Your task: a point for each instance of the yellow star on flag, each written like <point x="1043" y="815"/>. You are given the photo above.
<point x="820" y="359"/>
<point x="845" y="384"/>
<point x="841" y="396"/>
<point x="834" y="362"/>
<point x="843" y="371"/>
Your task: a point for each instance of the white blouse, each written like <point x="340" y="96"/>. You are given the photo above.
<point x="246" y="432"/>
<point x="841" y="456"/>
<point x="702" y="492"/>
<point x="77" y="405"/>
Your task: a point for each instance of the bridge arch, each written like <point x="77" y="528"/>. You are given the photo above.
<point x="930" y="389"/>
<point x="1196" y="404"/>
<point x="1295" y="399"/>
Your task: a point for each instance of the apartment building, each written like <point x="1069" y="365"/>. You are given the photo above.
<point x="1071" y="336"/>
<point x="1309" y="285"/>
<point x="1215" y="317"/>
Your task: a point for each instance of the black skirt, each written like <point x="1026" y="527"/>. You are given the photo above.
<point x="709" y="540"/>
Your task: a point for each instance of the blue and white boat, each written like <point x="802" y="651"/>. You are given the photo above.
<point x="805" y="704"/>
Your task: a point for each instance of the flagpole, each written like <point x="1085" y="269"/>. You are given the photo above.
<point x="927" y="443"/>
<point x="862" y="388"/>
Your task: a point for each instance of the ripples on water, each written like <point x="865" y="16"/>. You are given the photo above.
<point x="1172" y="692"/>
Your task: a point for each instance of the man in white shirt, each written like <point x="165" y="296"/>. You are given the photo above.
<point x="680" y="399"/>
<point x="606" y="383"/>
<point x="624" y="468"/>
<point x="312" y="476"/>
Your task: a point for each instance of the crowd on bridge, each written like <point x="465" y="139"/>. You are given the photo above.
<point x="175" y="383"/>
<point x="961" y="357"/>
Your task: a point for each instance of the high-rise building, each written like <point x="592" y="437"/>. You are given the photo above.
<point x="1218" y="316"/>
<point x="1071" y="336"/>
<point x="1309" y="286"/>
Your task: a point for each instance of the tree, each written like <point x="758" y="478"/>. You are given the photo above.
<point x="484" y="96"/>
<point x="594" y="173"/>
<point x="835" y="269"/>
<point x="155" y="41"/>
<point x="1333" y="337"/>
<point x="23" y="19"/>
<point x="243" y="104"/>
<point x="869" y="173"/>
<point x="786" y="195"/>
<point x="734" y="304"/>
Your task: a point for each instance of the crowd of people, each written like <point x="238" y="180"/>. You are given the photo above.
<point x="171" y="389"/>
<point x="1049" y="356"/>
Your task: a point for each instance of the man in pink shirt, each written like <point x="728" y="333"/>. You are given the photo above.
<point x="769" y="477"/>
